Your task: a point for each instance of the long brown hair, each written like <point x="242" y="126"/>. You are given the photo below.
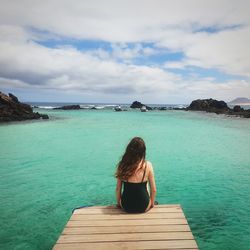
<point x="134" y="154"/>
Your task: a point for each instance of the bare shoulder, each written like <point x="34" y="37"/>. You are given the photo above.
<point x="150" y="166"/>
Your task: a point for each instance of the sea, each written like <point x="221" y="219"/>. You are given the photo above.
<point x="49" y="167"/>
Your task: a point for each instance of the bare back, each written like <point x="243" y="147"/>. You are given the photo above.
<point x="141" y="173"/>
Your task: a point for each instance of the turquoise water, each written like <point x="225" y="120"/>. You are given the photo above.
<point x="47" y="168"/>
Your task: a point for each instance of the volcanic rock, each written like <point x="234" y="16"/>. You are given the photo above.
<point x="237" y="108"/>
<point x="13" y="110"/>
<point x="209" y="105"/>
<point x="218" y="107"/>
<point x="138" y="105"/>
<point x="69" y="107"/>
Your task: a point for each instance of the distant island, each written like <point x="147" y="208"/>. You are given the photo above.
<point x="240" y="101"/>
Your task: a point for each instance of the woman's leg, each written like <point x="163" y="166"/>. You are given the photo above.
<point x="120" y="202"/>
<point x="149" y="206"/>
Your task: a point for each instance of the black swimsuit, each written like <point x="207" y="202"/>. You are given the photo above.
<point x="135" y="197"/>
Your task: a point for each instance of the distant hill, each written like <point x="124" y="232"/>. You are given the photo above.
<point x="240" y="101"/>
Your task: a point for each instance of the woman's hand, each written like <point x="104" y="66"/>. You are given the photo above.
<point x="118" y="192"/>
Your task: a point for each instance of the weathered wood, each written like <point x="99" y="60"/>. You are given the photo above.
<point x="125" y="237"/>
<point x="112" y="206"/>
<point x="125" y="229"/>
<point x="126" y="216"/>
<point x="166" y="244"/>
<point x="131" y="222"/>
<point x="114" y="210"/>
<point x="163" y="227"/>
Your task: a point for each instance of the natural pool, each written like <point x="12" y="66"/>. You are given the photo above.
<point x="47" y="168"/>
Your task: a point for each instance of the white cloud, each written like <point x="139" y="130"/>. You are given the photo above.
<point x="122" y="21"/>
<point x="127" y="53"/>
<point x="68" y="68"/>
<point x="172" y="26"/>
<point x="226" y="51"/>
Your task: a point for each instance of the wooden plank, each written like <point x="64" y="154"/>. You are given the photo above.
<point x="164" y="244"/>
<point x="126" y="216"/>
<point x="163" y="227"/>
<point x="168" y="205"/>
<point x="126" y="229"/>
<point x="119" y="211"/>
<point x="125" y="237"/>
<point x="113" y="206"/>
<point x="140" y="222"/>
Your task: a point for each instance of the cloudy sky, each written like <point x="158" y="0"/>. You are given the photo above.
<point x="155" y="51"/>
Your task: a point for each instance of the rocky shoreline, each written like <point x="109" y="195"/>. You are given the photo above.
<point x="13" y="110"/>
<point x="206" y="105"/>
<point x="218" y="107"/>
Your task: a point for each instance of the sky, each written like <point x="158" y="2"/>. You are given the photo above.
<point x="157" y="51"/>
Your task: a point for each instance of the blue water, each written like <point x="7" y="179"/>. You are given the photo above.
<point x="47" y="168"/>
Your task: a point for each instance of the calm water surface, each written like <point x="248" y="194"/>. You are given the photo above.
<point x="47" y="168"/>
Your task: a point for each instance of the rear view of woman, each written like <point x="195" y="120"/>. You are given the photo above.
<point x="133" y="174"/>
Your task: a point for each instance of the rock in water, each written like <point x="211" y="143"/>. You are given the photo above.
<point x="13" y="110"/>
<point x="136" y="105"/>
<point x="218" y="107"/>
<point x="209" y="105"/>
<point x="237" y="108"/>
<point x="139" y="105"/>
<point x="69" y="107"/>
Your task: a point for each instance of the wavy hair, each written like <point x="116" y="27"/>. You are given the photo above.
<point x="134" y="154"/>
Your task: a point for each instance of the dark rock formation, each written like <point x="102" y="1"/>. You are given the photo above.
<point x="162" y="108"/>
<point x="120" y="108"/>
<point x="69" y="107"/>
<point x="13" y="110"/>
<point x="218" y="107"/>
<point x="208" y="105"/>
<point x="237" y="108"/>
<point x="138" y="105"/>
<point x="13" y="98"/>
<point x="238" y="111"/>
<point x="179" y="109"/>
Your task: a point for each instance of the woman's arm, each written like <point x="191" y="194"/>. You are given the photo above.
<point x="152" y="185"/>
<point x="118" y="191"/>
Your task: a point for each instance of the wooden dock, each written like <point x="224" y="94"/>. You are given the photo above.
<point x="100" y="227"/>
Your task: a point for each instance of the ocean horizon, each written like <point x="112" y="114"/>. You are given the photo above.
<point x="51" y="105"/>
<point x="110" y="105"/>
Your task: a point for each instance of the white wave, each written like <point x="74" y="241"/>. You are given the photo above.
<point x="110" y="105"/>
<point x="46" y="107"/>
<point x="88" y="106"/>
<point x="99" y="107"/>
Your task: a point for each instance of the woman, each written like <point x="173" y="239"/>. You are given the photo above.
<point x="134" y="172"/>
